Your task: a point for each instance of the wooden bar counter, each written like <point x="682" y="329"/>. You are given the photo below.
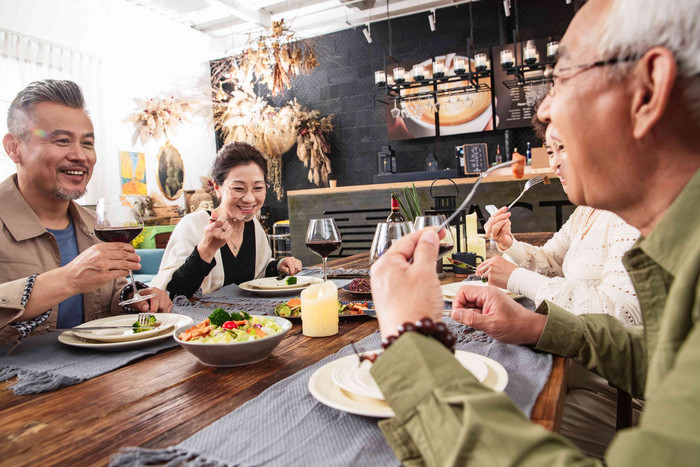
<point x="357" y="209"/>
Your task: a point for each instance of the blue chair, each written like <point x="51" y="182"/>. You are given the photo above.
<point x="150" y="263"/>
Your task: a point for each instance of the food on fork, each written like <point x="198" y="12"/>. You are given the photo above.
<point x="152" y="323"/>
<point x="237" y="327"/>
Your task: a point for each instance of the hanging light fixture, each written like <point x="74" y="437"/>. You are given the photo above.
<point x="431" y="20"/>
<point x="367" y="33"/>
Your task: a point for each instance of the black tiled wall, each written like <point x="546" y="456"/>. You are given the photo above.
<point x="343" y="85"/>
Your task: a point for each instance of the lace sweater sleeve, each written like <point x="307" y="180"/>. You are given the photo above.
<point x="594" y="278"/>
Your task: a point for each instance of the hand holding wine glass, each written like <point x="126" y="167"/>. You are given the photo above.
<point x="386" y="234"/>
<point x="116" y="220"/>
<point x="447" y="243"/>
<point x="323" y="238"/>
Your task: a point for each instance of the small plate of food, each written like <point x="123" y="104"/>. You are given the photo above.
<point x="291" y="309"/>
<point x="359" y="286"/>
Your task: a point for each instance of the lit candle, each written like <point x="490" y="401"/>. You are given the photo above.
<point x="470" y="220"/>
<point x="459" y="65"/>
<point x="438" y="69"/>
<point x="379" y="78"/>
<point x="552" y="48"/>
<point x="476" y="244"/>
<point x="390" y="80"/>
<point x="530" y="52"/>
<point x="506" y="58"/>
<point x="480" y="62"/>
<point x="319" y="310"/>
<point x="399" y="74"/>
<point x="418" y="73"/>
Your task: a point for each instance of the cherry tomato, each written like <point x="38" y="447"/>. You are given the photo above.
<point x="229" y="325"/>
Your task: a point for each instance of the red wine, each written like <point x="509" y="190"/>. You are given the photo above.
<point x="124" y="234"/>
<point x="443" y="249"/>
<point x="322" y="248"/>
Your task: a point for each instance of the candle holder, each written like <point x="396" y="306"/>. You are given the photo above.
<point x="458" y="65"/>
<point x="399" y="75"/>
<point x="380" y="78"/>
<point x="438" y="69"/>
<point x="418" y="73"/>
<point x="530" y="53"/>
<point x="552" y="48"/>
<point x="507" y="58"/>
<point x="480" y="61"/>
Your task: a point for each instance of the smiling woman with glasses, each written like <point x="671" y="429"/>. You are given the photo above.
<point x="209" y="250"/>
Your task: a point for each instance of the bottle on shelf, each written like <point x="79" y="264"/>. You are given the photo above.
<point x="519" y="168"/>
<point x="499" y="159"/>
<point x="528" y="154"/>
<point x="395" y="215"/>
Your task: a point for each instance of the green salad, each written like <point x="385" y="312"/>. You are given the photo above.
<point x="224" y="328"/>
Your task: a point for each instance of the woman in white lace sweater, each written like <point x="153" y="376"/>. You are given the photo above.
<point x="580" y="269"/>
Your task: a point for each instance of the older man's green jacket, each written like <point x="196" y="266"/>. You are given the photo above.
<point x="445" y="417"/>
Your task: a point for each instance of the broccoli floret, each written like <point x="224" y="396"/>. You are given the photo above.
<point x="239" y="316"/>
<point x="219" y="316"/>
<point x="291" y="280"/>
<point x="151" y="323"/>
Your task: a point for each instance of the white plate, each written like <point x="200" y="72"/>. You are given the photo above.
<point x="68" y="338"/>
<point x="449" y="291"/>
<point x="324" y="389"/>
<point x="288" y="290"/>
<point x="121" y="335"/>
<point x="358" y="380"/>
<point x="271" y="283"/>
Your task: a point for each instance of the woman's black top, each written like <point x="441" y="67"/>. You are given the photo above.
<point x="237" y="269"/>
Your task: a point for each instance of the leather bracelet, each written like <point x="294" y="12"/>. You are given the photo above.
<point x="425" y="326"/>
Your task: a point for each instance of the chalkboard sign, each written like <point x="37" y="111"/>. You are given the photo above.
<point x="476" y="158"/>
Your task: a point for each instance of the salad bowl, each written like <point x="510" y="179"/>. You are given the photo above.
<point x="234" y="353"/>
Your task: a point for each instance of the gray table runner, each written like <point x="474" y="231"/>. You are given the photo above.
<point x="43" y="364"/>
<point x="286" y="426"/>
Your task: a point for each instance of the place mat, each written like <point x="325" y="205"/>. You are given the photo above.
<point x="287" y="426"/>
<point x="43" y="364"/>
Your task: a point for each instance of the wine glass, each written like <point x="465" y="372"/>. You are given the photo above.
<point x="446" y="243"/>
<point x="116" y="220"/>
<point x="386" y="234"/>
<point x="323" y="238"/>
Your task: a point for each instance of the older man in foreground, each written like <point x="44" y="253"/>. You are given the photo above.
<point x="626" y="101"/>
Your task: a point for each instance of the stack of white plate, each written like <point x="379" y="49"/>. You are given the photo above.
<point x="348" y="386"/>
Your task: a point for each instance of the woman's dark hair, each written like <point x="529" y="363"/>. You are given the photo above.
<point x="235" y="154"/>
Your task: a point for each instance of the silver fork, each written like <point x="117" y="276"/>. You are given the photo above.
<point x="530" y="183"/>
<point x="143" y="319"/>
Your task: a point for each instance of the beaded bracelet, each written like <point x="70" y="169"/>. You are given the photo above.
<point x="425" y="326"/>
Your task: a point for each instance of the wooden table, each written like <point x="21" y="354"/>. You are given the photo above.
<point x="163" y="399"/>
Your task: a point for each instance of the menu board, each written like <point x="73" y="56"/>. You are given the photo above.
<point x="476" y="157"/>
<point x="514" y="107"/>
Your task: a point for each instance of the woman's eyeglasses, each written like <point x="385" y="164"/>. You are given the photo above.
<point x="238" y="191"/>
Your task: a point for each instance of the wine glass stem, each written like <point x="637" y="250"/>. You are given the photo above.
<point x="133" y="286"/>
<point x="325" y="276"/>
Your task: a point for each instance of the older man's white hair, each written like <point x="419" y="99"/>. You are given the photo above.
<point x="635" y="26"/>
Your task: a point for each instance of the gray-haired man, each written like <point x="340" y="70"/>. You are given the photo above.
<point x="53" y="270"/>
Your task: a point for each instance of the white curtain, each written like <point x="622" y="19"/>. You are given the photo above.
<point x="24" y="59"/>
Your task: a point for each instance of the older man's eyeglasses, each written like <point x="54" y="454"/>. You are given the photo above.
<point x="564" y="73"/>
<point x="239" y="191"/>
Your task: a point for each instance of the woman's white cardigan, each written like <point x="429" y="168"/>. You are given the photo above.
<point x="580" y="269"/>
<point x="186" y="236"/>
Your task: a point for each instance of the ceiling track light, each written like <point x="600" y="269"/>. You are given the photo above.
<point x="506" y="7"/>
<point x="431" y="20"/>
<point x="367" y="34"/>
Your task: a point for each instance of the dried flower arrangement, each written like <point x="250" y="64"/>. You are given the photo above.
<point x="247" y="117"/>
<point x="157" y="117"/>
<point x="274" y="59"/>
